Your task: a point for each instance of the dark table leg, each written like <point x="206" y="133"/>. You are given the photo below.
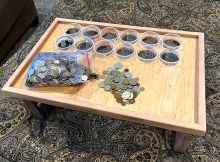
<point x="39" y="110"/>
<point x="180" y="142"/>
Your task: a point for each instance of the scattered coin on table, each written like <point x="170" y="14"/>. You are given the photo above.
<point x="121" y="84"/>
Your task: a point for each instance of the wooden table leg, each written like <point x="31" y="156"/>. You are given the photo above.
<point x="38" y="109"/>
<point x="180" y="142"/>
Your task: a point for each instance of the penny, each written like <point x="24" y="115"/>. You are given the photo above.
<point x="126" y="70"/>
<point x="146" y="54"/>
<point x="125" y="81"/>
<point x="171" y="42"/>
<point x="124" y="51"/>
<point x="109" y="35"/>
<point x="129" y="37"/>
<point x="132" y="101"/>
<point x="72" y="31"/>
<point x="123" y="103"/>
<point x="104" y="49"/>
<point x="84" y="45"/>
<point x="104" y="72"/>
<point x="150" y="40"/>
<point x="90" y="33"/>
<point x="170" y="57"/>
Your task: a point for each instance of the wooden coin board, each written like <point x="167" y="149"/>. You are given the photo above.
<point x="174" y="96"/>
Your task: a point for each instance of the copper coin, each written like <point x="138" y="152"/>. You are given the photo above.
<point x="132" y="101"/>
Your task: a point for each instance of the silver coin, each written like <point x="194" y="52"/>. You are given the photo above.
<point x="43" y="68"/>
<point x="55" y="72"/>
<point x="41" y="62"/>
<point x="35" y="79"/>
<point x="41" y="75"/>
<point x="107" y="87"/>
<point x="55" y="81"/>
<point x="126" y="95"/>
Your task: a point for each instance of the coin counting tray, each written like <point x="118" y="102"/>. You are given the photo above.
<point x="174" y="96"/>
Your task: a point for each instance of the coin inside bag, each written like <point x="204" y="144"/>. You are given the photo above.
<point x="54" y="69"/>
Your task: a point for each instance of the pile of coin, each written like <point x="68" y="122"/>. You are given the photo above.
<point x="121" y="84"/>
<point x="52" y="71"/>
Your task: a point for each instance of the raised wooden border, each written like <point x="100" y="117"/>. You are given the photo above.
<point x="198" y="128"/>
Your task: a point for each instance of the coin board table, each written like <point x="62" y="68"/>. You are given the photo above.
<point x="174" y="96"/>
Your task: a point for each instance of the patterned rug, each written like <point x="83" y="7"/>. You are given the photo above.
<point x="74" y="136"/>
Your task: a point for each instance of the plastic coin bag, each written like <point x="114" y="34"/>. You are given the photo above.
<point x="53" y="69"/>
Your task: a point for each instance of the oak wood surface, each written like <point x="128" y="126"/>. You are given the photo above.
<point x="172" y="93"/>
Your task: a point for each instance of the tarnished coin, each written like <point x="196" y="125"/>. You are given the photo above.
<point x="104" y="72"/>
<point x="123" y="103"/>
<point x="55" y="72"/>
<point x="113" y="86"/>
<point x="141" y="88"/>
<point x="107" y="87"/>
<point x="125" y="81"/>
<point x="126" y="95"/>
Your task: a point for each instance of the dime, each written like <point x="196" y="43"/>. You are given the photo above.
<point x="141" y="88"/>
<point x="128" y="75"/>
<point x="118" y="65"/>
<point x="55" y="81"/>
<point x="126" y="95"/>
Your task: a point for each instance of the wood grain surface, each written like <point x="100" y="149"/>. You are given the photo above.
<point x="171" y="93"/>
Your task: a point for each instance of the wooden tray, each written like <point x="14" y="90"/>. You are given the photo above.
<point x="174" y="96"/>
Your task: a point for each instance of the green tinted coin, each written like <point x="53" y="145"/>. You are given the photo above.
<point x="125" y="81"/>
<point x="113" y="86"/>
<point x="141" y="88"/>
<point x="104" y="72"/>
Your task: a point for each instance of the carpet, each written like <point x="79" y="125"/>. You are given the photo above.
<point x="75" y="136"/>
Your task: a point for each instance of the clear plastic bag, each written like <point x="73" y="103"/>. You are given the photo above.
<point x="53" y="69"/>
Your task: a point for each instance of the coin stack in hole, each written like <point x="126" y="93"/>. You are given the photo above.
<point x="121" y="84"/>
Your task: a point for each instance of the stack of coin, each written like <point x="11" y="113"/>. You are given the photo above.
<point x="121" y="84"/>
<point x="52" y="71"/>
